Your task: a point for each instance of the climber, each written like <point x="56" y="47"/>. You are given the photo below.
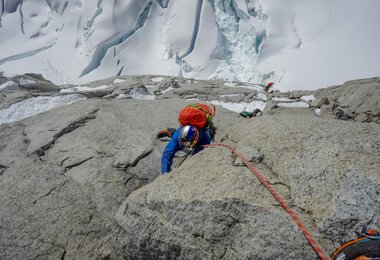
<point x="187" y="136"/>
<point x="268" y="86"/>
<point x="197" y="129"/>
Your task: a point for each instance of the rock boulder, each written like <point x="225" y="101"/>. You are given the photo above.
<point x="210" y="208"/>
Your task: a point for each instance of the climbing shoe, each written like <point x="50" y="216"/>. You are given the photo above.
<point x="168" y="132"/>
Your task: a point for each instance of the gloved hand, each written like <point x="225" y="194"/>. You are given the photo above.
<point x="213" y="129"/>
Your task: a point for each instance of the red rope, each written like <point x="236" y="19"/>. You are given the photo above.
<point x="304" y="231"/>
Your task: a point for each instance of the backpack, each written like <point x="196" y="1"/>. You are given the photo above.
<point x="198" y="114"/>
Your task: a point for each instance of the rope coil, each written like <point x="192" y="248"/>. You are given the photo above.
<point x="299" y="223"/>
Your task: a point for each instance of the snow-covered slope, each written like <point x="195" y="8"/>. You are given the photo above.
<point x="298" y="44"/>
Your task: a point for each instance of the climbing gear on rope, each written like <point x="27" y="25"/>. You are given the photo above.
<point x="168" y="132"/>
<point x="300" y="225"/>
<point x="247" y="114"/>
<point x="198" y="115"/>
<point x="367" y="247"/>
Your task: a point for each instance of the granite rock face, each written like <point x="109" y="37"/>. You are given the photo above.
<point x="83" y="181"/>
<point x="358" y="100"/>
<point x="213" y="208"/>
<point x="64" y="173"/>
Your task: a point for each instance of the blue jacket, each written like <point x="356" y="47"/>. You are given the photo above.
<point x="174" y="145"/>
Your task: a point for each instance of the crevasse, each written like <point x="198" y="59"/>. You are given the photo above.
<point x="195" y="30"/>
<point x="241" y="35"/>
<point x="102" y="48"/>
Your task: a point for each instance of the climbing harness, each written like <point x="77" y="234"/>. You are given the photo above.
<point x="300" y="225"/>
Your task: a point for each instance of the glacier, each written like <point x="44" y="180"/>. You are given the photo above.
<point x="34" y="106"/>
<point x="297" y="44"/>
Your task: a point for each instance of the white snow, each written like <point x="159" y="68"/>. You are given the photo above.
<point x="308" y="98"/>
<point x="297" y="44"/>
<point x="282" y="99"/>
<point x="230" y="84"/>
<point x="293" y="104"/>
<point x="253" y="87"/>
<point x="27" y="82"/>
<point x="315" y="44"/>
<point x="118" y="81"/>
<point x="239" y="107"/>
<point x="262" y="96"/>
<point x="84" y="89"/>
<point x="156" y="79"/>
<point x="137" y="96"/>
<point x="33" y="106"/>
<point x="230" y="95"/>
<point x="167" y="90"/>
<point x="9" y="85"/>
<point x="140" y="93"/>
<point x="318" y="112"/>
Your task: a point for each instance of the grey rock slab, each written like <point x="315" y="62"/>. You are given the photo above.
<point x="318" y="102"/>
<point x="314" y="156"/>
<point x="270" y="105"/>
<point x="47" y="215"/>
<point x="363" y="98"/>
<point x="354" y="206"/>
<point x="208" y="208"/>
<point x="209" y="90"/>
<point x="298" y="94"/>
<point x="252" y="154"/>
<point x="105" y="186"/>
<point x="43" y="130"/>
<point x="165" y="85"/>
<point x="72" y="180"/>
<point x="362" y="117"/>
<point x="32" y="81"/>
<point x="9" y="98"/>
<point x="375" y="119"/>
<point x="289" y="110"/>
<point x="64" y="173"/>
<point x="249" y="97"/>
<point x="13" y="144"/>
<point x="204" y="214"/>
<point x="358" y="95"/>
<point x="65" y="198"/>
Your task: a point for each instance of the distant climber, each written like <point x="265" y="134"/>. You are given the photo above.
<point x="268" y="86"/>
<point x="196" y="129"/>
